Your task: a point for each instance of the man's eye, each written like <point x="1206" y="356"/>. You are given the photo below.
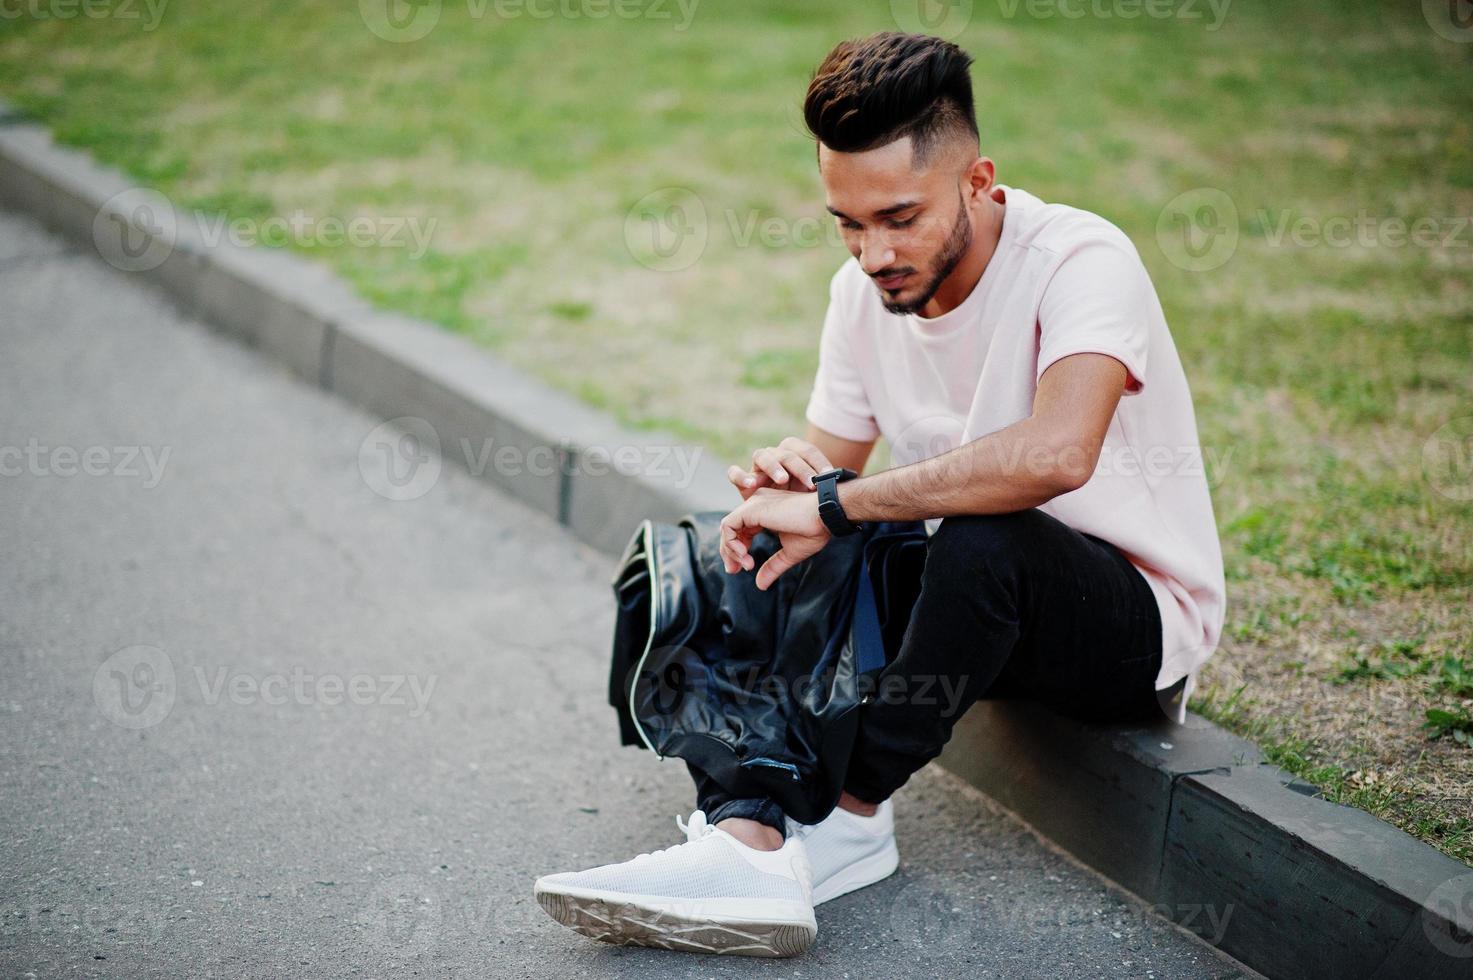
<point x="849" y="225"/>
<point x="904" y="224"/>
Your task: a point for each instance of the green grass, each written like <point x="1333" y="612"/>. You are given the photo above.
<point x="1395" y="799"/>
<point x="1322" y="372"/>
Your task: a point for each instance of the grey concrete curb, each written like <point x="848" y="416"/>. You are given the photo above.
<point x="1251" y="859"/>
<point x="1186" y="817"/>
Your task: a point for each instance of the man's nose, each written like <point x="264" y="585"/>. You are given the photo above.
<point x="875" y="254"/>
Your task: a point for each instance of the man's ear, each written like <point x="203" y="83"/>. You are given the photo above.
<point x="981" y="175"/>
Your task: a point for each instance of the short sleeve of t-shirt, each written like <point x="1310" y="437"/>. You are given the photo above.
<point x="838" y="403"/>
<point x="1097" y="301"/>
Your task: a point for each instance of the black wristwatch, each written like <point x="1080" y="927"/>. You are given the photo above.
<point x="829" y="508"/>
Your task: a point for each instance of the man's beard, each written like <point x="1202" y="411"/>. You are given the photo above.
<point x="952" y="251"/>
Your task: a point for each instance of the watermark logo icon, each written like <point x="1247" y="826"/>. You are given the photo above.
<point x="136" y="230"/>
<point x="1198" y="229"/>
<point x="1447" y="917"/>
<point x="671" y="689"/>
<point x="1452" y="20"/>
<point x="931" y="920"/>
<point x="941" y="18"/>
<point x="924" y="438"/>
<point x="1447" y="459"/>
<point x="400" y="459"/>
<point x="666" y="230"/>
<point x="404" y="916"/>
<point x="400" y="21"/>
<point x="134" y="688"/>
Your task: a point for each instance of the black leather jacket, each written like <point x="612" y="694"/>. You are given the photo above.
<point x="758" y="689"/>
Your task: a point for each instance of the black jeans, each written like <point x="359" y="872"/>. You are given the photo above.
<point x="1011" y="606"/>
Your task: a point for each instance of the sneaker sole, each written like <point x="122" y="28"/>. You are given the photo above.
<point x="632" y="920"/>
<point x="860" y="874"/>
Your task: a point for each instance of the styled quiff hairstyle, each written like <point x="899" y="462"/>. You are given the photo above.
<point x="872" y="91"/>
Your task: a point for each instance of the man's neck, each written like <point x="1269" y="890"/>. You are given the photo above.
<point x="955" y="288"/>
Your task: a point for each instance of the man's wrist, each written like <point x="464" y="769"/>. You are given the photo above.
<point x="873" y="498"/>
<point x="830" y="509"/>
<point x="853" y="498"/>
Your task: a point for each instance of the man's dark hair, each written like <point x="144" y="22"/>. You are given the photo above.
<point x="872" y="91"/>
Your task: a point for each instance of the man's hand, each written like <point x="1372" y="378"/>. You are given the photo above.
<point x="790" y="465"/>
<point x="793" y="517"/>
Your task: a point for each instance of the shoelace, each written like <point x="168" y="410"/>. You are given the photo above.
<point x="697" y="828"/>
<point x="694" y="831"/>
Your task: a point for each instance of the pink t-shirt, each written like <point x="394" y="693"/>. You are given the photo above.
<point x="1062" y="281"/>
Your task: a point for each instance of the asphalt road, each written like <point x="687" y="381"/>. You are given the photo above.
<point x="259" y="720"/>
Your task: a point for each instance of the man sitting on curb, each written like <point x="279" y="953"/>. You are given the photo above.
<point x="1016" y="358"/>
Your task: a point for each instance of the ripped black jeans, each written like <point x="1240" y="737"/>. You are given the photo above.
<point x="1011" y="606"/>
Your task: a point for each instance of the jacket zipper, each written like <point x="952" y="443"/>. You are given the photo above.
<point x="647" y="532"/>
<point x="762" y="760"/>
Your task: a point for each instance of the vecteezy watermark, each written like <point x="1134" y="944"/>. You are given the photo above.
<point x="411" y="914"/>
<point x="941" y="435"/>
<point x="403" y="21"/>
<point x="1363" y="230"/>
<point x="1200" y="229"/>
<point x="935" y="918"/>
<point x="71" y="922"/>
<point x="137" y="687"/>
<point x="300" y="687"/>
<point x="1213" y="12"/>
<point x="940" y="18"/>
<point x="932" y="917"/>
<point x="669" y="229"/>
<point x="36" y="458"/>
<point x="1447" y="459"/>
<point x="666" y="230"/>
<point x="328" y="231"/>
<point x="678" y="687"/>
<point x="948" y="18"/>
<point x="401" y="459"/>
<point x="1447" y="917"/>
<point x="149" y="12"/>
<point x="138" y="229"/>
<point x="1208" y="920"/>
<point x="404" y="915"/>
<point x="1451" y="19"/>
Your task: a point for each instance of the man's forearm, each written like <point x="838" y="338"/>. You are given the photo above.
<point x="1012" y="469"/>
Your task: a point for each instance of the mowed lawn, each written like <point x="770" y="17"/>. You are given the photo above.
<point x="628" y="207"/>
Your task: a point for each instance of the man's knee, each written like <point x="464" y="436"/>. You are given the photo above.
<point x="984" y="538"/>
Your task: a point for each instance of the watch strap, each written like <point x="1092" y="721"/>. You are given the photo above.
<point x="829" y="508"/>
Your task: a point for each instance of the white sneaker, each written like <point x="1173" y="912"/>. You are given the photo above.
<point x="711" y="894"/>
<point x="847" y="851"/>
